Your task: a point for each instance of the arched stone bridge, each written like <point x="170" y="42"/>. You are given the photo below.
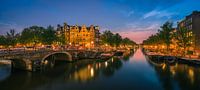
<point x="29" y="61"/>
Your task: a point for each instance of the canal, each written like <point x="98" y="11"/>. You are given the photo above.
<point x="132" y="72"/>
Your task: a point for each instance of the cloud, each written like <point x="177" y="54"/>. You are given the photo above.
<point x="8" y="24"/>
<point x="138" y="37"/>
<point x="149" y="26"/>
<point x="138" y="31"/>
<point x="158" y="14"/>
<point x="127" y="13"/>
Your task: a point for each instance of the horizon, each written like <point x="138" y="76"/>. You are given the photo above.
<point x="134" y="19"/>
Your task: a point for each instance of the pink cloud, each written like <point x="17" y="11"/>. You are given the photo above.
<point x="137" y="32"/>
<point x="138" y="36"/>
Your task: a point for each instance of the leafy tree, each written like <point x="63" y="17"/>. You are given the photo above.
<point x="49" y="36"/>
<point x="32" y="35"/>
<point x="116" y="39"/>
<point x="153" y="39"/>
<point x="125" y="41"/>
<point x="11" y="38"/>
<point x="107" y="37"/>
<point x="2" y="40"/>
<point x="61" y="36"/>
<point x="165" y="34"/>
<point x="26" y="36"/>
<point x="61" y="39"/>
<point x="185" y="38"/>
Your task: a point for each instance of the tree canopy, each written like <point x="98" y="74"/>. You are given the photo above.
<point x="115" y="39"/>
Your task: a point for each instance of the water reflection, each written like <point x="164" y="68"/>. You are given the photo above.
<point x="178" y="76"/>
<point x="5" y="71"/>
<point x="132" y="72"/>
<point x="80" y="72"/>
<point x="92" y="71"/>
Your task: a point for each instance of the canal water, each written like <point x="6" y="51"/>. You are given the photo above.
<point x="128" y="73"/>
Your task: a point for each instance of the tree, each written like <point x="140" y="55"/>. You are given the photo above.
<point x="11" y="38"/>
<point x="49" y="35"/>
<point x="2" y="40"/>
<point x="185" y="38"/>
<point x="32" y="35"/>
<point x="107" y="37"/>
<point x="26" y="36"/>
<point x="127" y="41"/>
<point x="153" y="39"/>
<point x="116" y="39"/>
<point x="60" y="34"/>
<point x="165" y="35"/>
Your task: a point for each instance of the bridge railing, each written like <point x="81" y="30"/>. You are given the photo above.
<point x="27" y="53"/>
<point x="22" y="53"/>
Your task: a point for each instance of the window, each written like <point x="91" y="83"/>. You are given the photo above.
<point x="190" y="27"/>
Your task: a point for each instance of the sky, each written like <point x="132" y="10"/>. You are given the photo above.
<point x="135" y="19"/>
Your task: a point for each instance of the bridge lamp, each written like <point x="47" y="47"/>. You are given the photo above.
<point x="164" y="66"/>
<point x="46" y="62"/>
<point x="70" y="43"/>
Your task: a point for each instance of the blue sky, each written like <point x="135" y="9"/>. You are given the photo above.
<point x="136" y="19"/>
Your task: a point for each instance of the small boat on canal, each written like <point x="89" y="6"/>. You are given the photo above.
<point x="105" y="56"/>
<point x="118" y="54"/>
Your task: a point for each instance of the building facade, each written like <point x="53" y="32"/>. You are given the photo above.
<point x="192" y="22"/>
<point x="79" y="35"/>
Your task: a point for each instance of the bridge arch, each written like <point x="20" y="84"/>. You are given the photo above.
<point x="17" y="64"/>
<point x="67" y="56"/>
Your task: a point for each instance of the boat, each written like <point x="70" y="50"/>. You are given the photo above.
<point x="168" y="59"/>
<point x="118" y="54"/>
<point x="105" y="56"/>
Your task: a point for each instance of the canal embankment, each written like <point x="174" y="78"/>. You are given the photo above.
<point x="171" y="59"/>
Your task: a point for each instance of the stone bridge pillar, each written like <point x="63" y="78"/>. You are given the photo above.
<point x="22" y="64"/>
